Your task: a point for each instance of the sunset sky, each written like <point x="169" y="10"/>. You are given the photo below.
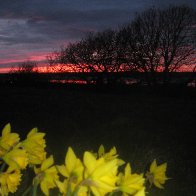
<point x="31" y="29"/>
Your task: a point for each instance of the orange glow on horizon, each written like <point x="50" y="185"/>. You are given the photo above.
<point x="4" y="69"/>
<point x="44" y="68"/>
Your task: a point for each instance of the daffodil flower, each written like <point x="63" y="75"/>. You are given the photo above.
<point x="100" y="175"/>
<point x="35" y="145"/>
<point x="130" y="183"/>
<point x="96" y="175"/>
<point x="72" y="170"/>
<point x="7" y="140"/>
<point x="9" y="182"/>
<point x="72" y="167"/>
<point x="46" y="175"/>
<point x="16" y="159"/>
<point x="157" y="175"/>
<point x="112" y="154"/>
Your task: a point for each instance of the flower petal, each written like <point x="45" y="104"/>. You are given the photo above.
<point x="6" y="130"/>
<point x="140" y="193"/>
<point x="89" y="161"/>
<point x="44" y="188"/>
<point x="47" y="163"/>
<point x="70" y="159"/>
<point x="101" y="150"/>
<point x="153" y="165"/>
<point x="62" y="170"/>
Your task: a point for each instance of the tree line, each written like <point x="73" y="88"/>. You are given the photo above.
<point x="156" y="40"/>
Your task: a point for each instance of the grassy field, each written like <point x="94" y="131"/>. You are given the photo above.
<point x="143" y="124"/>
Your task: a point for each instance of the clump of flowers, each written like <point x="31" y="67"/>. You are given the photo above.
<point x="157" y="175"/>
<point x="96" y="174"/>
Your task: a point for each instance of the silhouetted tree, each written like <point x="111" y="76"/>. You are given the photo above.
<point x="57" y="60"/>
<point x="25" y="73"/>
<point x="177" y="40"/>
<point x="160" y="41"/>
<point x="157" y="40"/>
<point x="96" y="53"/>
<point x="25" y="67"/>
<point x="141" y="43"/>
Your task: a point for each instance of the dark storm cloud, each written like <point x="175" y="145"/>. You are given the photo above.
<point x="63" y="16"/>
<point x="45" y="24"/>
<point x="77" y="10"/>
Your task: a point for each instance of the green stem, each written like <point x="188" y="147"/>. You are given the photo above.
<point x="85" y="182"/>
<point x="35" y="189"/>
<point x="77" y="188"/>
<point x="27" y="190"/>
<point x="76" y="191"/>
<point x="69" y="190"/>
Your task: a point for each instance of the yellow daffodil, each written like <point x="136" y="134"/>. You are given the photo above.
<point x="100" y="175"/>
<point x="96" y="175"/>
<point x="46" y="175"/>
<point x="112" y="154"/>
<point x="73" y="166"/>
<point x="157" y="175"/>
<point x="35" y="145"/>
<point x="72" y="171"/>
<point x="130" y="183"/>
<point x="16" y="159"/>
<point x="8" y="139"/>
<point x="9" y="182"/>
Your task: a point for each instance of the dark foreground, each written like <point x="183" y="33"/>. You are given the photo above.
<point x="142" y="123"/>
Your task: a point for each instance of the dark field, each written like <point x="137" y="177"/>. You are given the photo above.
<point x="143" y="124"/>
